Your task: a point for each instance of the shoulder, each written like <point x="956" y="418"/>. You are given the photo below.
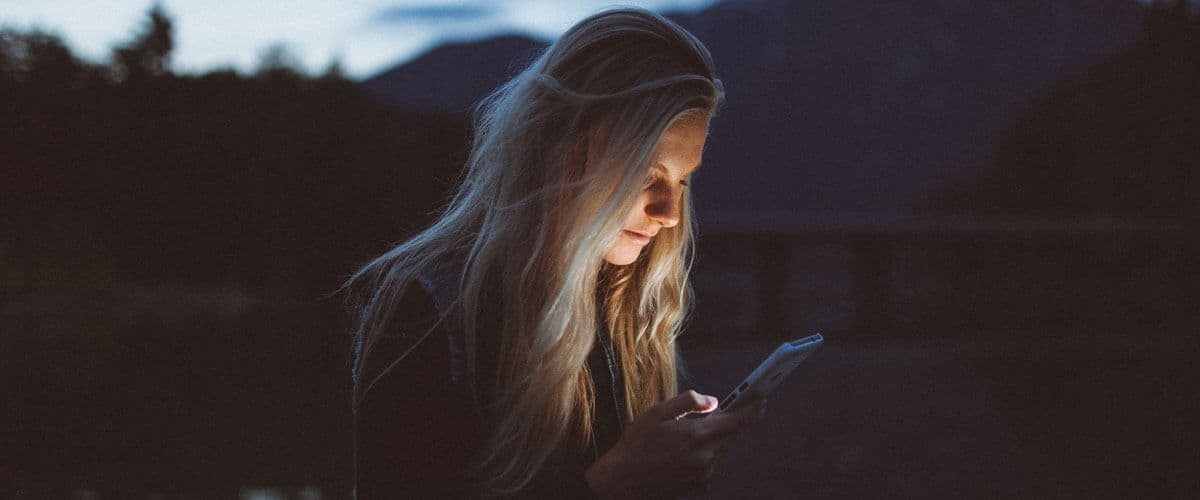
<point x="410" y="319"/>
<point x="415" y="428"/>
<point x="413" y="346"/>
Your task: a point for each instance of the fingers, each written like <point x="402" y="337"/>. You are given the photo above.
<point x="683" y="404"/>
<point x="722" y="425"/>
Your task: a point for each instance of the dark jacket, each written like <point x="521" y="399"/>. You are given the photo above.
<point x="417" y="430"/>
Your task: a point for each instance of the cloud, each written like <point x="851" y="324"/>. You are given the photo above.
<point x="433" y="14"/>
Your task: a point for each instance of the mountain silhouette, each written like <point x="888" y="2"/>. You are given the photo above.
<point x="452" y="77"/>
<point x="849" y="106"/>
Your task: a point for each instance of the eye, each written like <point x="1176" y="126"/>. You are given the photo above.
<point x="684" y="183"/>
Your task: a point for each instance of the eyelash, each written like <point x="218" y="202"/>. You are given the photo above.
<point x="650" y="180"/>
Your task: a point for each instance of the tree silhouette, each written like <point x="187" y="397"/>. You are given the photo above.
<point x="148" y="55"/>
<point x="278" y="60"/>
<point x="39" y="58"/>
<point x="125" y="177"/>
<point x="8" y="56"/>
<point x="214" y="178"/>
<point x="334" y="71"/>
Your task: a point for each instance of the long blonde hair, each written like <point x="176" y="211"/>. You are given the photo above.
<point x="535" y="213"/>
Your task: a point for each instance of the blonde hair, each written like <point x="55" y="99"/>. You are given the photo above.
<point x="536" y="214"/>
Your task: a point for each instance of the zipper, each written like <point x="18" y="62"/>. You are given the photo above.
<point x="618" y="404"/>
<point x="595" y="449"/>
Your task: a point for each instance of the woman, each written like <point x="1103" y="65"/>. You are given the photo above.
<point x="524" y="344"/>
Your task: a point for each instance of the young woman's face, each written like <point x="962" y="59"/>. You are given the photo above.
<point x="676" y="156"/>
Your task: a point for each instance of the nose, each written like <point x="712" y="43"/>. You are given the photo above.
<point x="664" y="205"/>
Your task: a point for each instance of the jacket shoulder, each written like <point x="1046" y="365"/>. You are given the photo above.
<point x="415" y="340"/>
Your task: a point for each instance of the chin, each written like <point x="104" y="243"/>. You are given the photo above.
<point x="623" y="256"/>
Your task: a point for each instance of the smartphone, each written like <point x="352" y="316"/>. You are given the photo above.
<point x="764" y="379"/>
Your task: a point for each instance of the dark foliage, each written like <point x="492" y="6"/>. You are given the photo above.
<point x="279" y="180"/>
<point x="148" y="54"/>
<point x="165" y="245"/>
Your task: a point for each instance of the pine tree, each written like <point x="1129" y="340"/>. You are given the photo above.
<point x="148" y="55"/>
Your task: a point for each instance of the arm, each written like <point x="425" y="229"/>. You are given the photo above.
<point x="559" y="480"/>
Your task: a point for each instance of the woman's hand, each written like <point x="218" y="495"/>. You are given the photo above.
<point x="662" y="454"/>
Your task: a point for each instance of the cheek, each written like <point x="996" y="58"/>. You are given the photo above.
<point x="636" y="215"/>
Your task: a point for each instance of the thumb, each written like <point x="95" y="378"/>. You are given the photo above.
<point x="683" y="404"/>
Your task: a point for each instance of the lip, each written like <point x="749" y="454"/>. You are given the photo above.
<point x="639" y="238"/>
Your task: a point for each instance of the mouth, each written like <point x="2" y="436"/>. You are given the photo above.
<point x="639" y="238"/>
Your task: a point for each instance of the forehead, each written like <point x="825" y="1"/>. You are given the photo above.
<point x="682" y="144"/>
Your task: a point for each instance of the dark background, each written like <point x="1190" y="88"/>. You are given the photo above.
<point x="988" y="209"/>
